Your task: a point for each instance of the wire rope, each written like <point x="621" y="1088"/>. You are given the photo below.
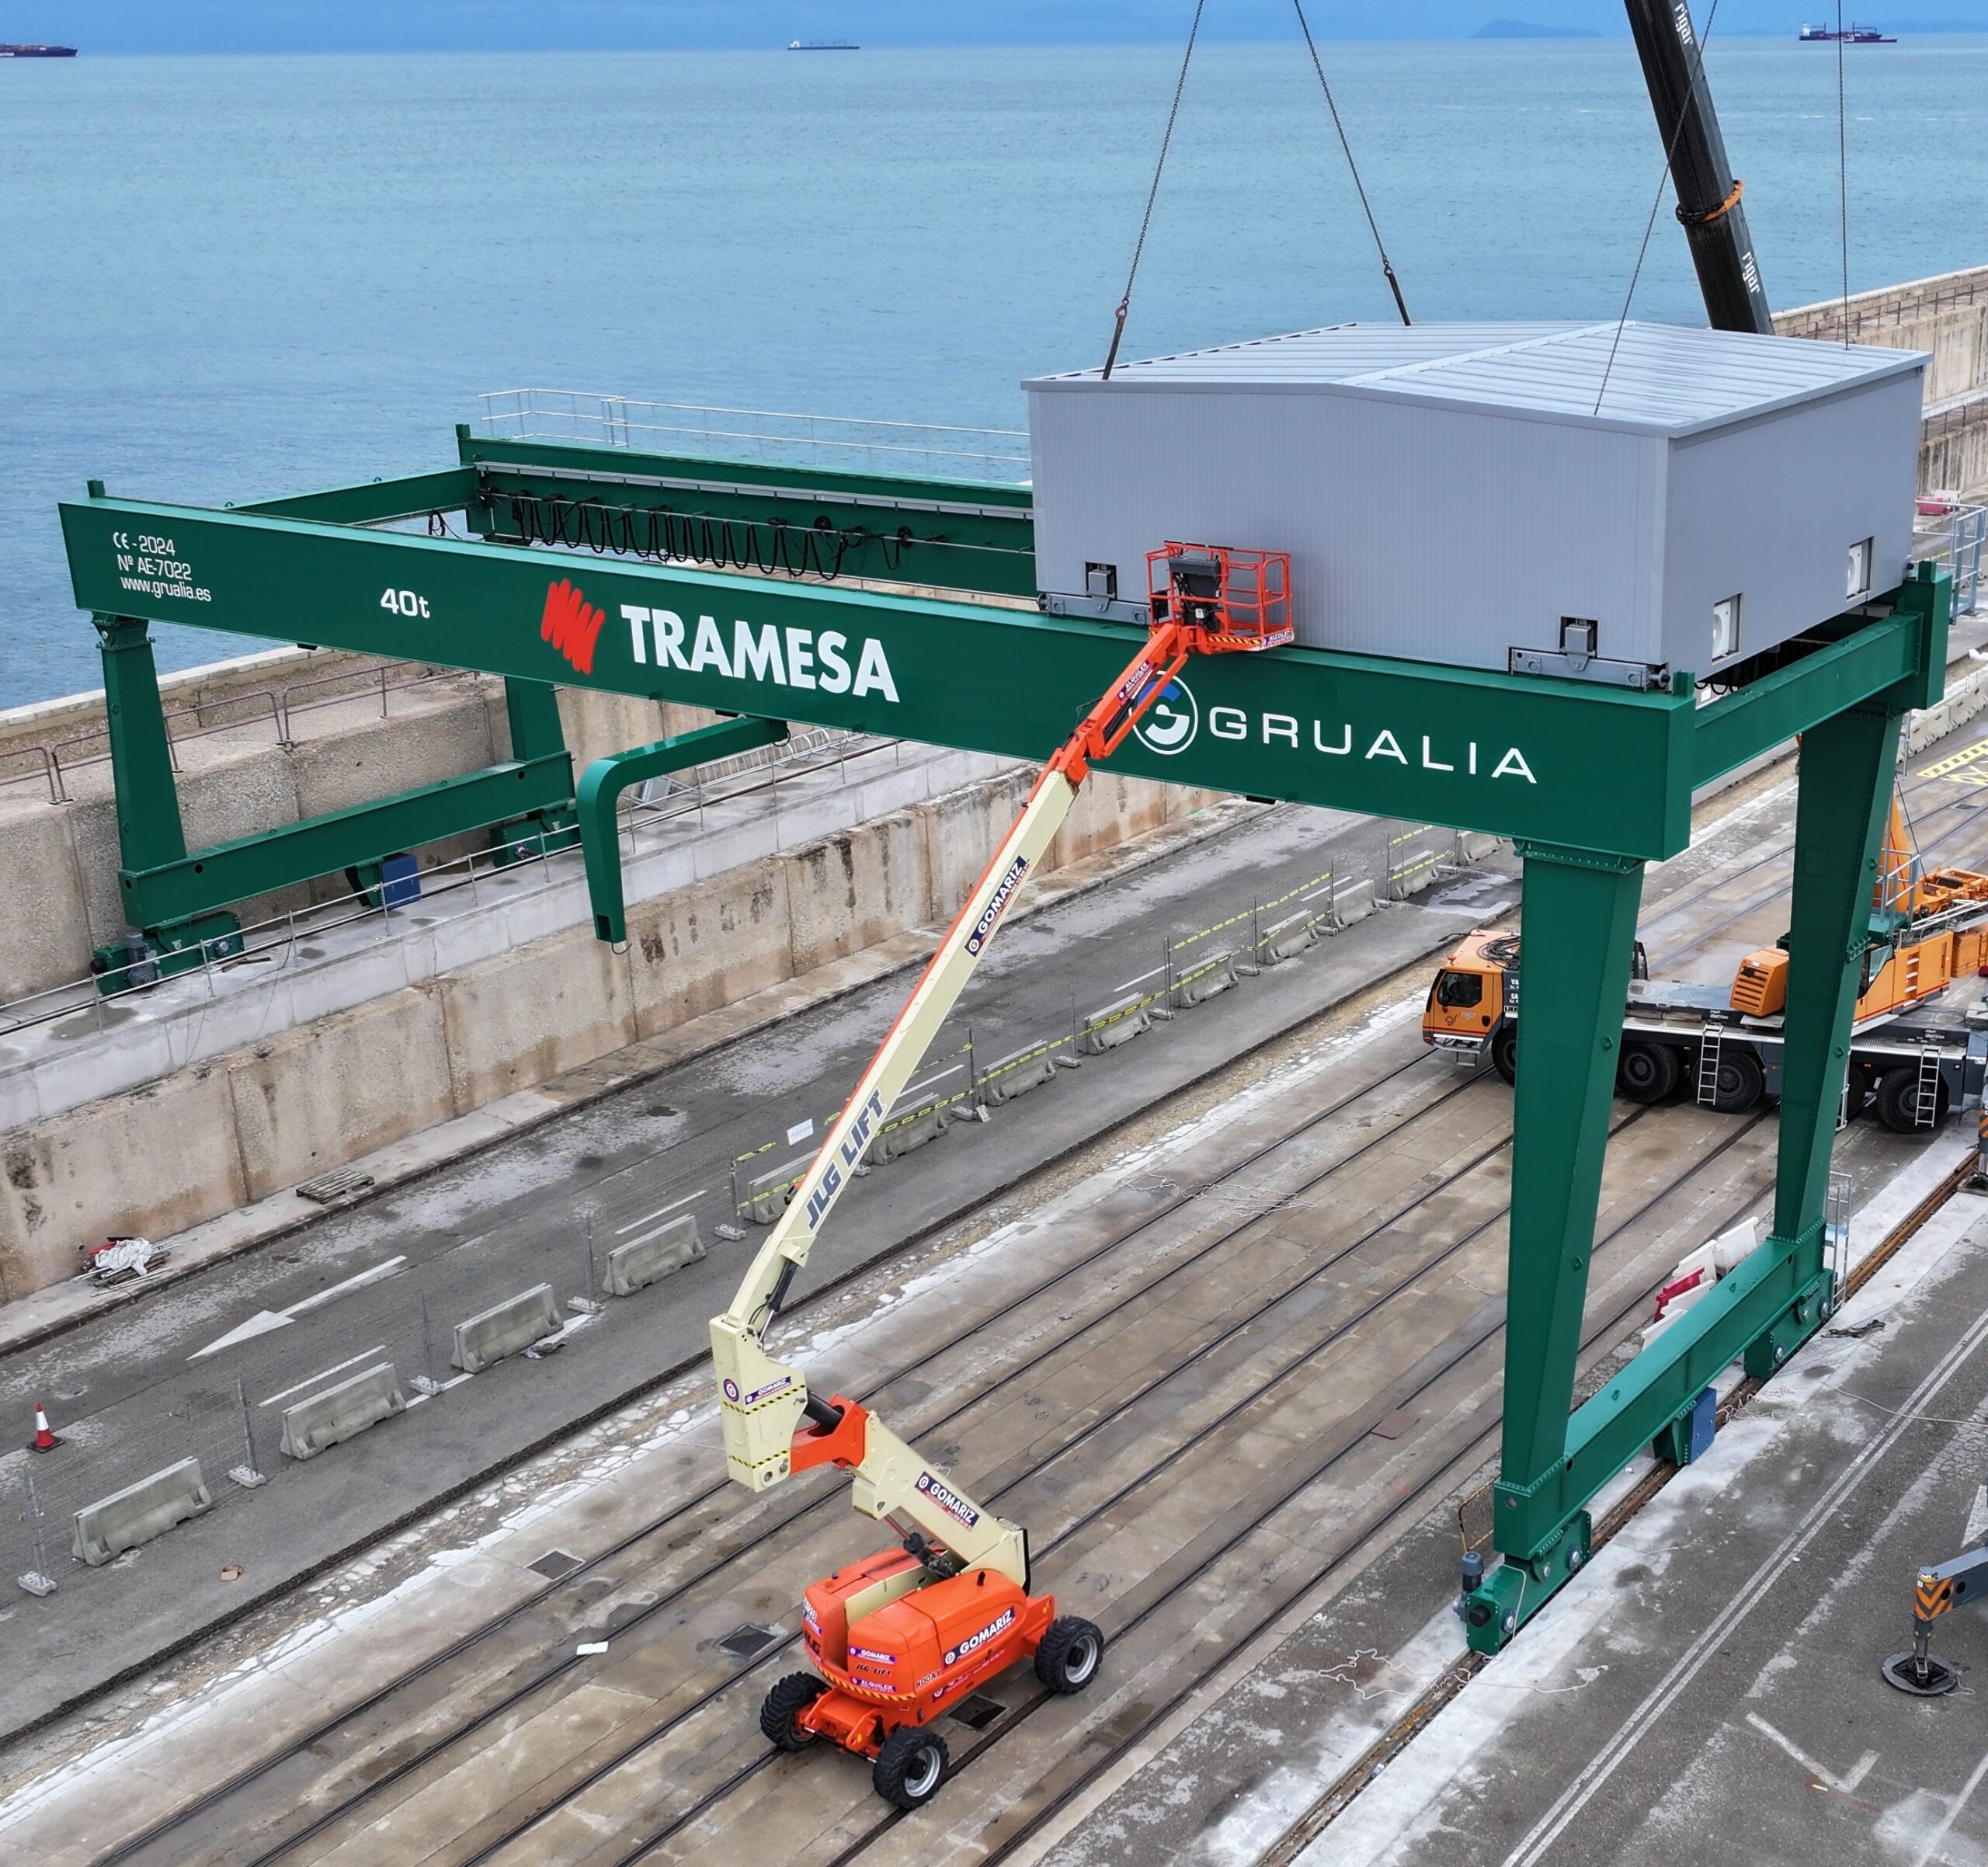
<point x="1360" y="187"/>
<point x="1649" y="226"/>
<point x="1152" y="194"/>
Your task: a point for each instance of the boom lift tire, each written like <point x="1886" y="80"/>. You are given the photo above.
<point x="1067" y="1659"/>
<point x="1741" y="1081"/>
<point x="1505" y="1053"/>
<point x="780" y="1711"/>
<point x="1648" y="1072"/>
<point x="910" y="1767"/>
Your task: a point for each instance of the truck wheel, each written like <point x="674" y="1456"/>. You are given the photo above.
<point x="1505" y="1053"/>
<point x="910" y="1767"/>
<point x="1648" y="1072"/>
<point x="1897" y="1093"/>
<point x="782" y="1706"/>
<point x="1067" y="1661"/>
<point x="1741" y="1081"/>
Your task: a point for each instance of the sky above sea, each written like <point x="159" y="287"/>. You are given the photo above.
<point x="228" y="277"/>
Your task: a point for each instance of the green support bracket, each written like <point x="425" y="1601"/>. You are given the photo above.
<point x="532" y="707"/>
<point x="164" y="893"/>
<point x="149" y="831"/>
<point x="603" y="781"/>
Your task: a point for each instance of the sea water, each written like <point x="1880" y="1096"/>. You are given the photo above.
<point x="223" y="279"/>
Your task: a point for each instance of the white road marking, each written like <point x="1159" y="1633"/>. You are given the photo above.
<point x="1750" y="1594"/>
<point x="365" y="1354"/>
<point x="1141" y="980"/>
<point x="660" y="1210"/>
<point x="322" y="1297"/>
<point x="1977" y="1532"/>
<point x="1939" y="1834"/>
<point x="1316" y="892"/>
<point x="917" y="1088"/>
<point x="1842" y="1786"/>
<point x="259" y="1324"/>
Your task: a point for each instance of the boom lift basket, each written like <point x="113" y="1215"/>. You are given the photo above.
<point x="1231" y="599"/>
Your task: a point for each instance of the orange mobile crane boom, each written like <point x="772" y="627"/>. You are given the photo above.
<point x="897" y="1638"/>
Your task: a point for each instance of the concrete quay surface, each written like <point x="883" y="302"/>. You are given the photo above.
<point x="1233" y="1365"/>
<point x="130" y="1385"/>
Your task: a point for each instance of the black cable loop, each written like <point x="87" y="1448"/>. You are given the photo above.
<point x="657" y="534"/>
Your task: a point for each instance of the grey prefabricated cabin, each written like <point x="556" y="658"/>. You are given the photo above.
<point x="1493" y="496"/>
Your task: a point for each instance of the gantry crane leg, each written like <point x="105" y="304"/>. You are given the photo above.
<point x="1577" y="932"/>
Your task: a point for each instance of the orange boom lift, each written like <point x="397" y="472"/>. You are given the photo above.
<point x="905" y="1635"/>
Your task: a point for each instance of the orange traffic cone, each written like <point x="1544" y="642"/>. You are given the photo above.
<point x="44" y="1439"/>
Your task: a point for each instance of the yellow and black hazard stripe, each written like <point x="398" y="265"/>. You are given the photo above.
<point x="1932" y="1596"/>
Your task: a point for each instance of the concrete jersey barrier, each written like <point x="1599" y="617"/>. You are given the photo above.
<point x="341" y="1412"/>
<point x="106" y="1529"/>
<point x="767" y="1196"/>
<point x="506" y="1329"/>
<point x="1113" y="1024"/>
<point x="1215" y="974"/>
<point x="656" y="1255"/>
<point x="909" y="1131"/>
<point x="1027" y="1068"/>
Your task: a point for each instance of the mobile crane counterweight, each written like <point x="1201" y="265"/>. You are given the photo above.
<point x="903" y="1635"/>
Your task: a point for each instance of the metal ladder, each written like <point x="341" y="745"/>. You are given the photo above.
<point x="1710" y="1040"/>
<point x="1925" y="1091"/>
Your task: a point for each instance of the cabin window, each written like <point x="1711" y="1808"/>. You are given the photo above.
<point x="1725" y="628"/>
<point x="1460" y="990"/>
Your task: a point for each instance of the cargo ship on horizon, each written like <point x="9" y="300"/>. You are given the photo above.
<point x="1851" y="35"/>
<point x="37" y="51"/>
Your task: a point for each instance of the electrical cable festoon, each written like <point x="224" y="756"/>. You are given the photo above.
<point x="1166" y="142"/>
<point x="658" y="533"/>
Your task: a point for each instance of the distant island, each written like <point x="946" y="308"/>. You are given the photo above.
<point x="1525" y="28"/>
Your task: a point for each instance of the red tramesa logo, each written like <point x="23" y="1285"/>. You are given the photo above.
<point x="570" y="624"/>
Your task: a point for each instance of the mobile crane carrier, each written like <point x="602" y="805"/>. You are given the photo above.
<point x="1929" y="928"/>
<point x="900" y="1637"/>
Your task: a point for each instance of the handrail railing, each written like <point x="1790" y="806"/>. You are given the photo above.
<point x="761" y="436"/>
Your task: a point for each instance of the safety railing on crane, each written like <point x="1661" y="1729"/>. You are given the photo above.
<point x="763" y="436"/>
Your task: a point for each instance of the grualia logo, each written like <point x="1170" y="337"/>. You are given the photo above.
<point x="1169" y="725"/>
<point x="570" y="624"/>
<point x="984" y="927"/>
<point x="947" y="1500"/>
<point x="973" y="1643"/>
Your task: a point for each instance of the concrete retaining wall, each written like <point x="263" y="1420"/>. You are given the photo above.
<point x="239" y="780"/>
<point x="1947" y="316"/>
<point x="201" y="1140"/>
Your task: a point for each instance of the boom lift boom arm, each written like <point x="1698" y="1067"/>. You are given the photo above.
<point x="763" y="1402"/>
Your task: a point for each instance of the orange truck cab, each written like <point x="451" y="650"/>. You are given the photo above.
<point x="1471" y="997"/>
